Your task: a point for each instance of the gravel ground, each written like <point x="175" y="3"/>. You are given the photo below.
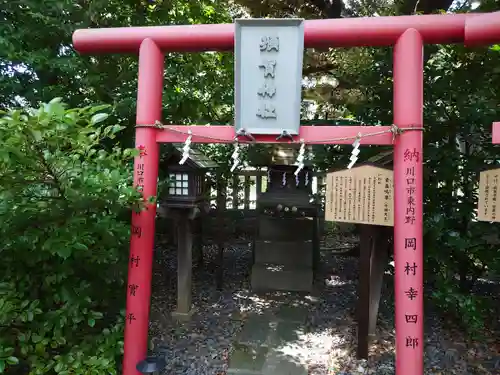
<point x="202" y="346"/>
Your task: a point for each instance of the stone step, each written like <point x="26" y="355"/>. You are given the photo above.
<point x="285" y="229"/>
<point x="250" y="360"/>
<point x="295" y="314"/>
<point x="247" y="360"/>
<point x="287" y="333"/>
<point x="267" y="277"/>
<point x="299" y="253"/>
<point x="279" y="363"/>
<point x="256" y="331"/>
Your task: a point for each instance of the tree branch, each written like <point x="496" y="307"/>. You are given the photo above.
<point x="424" y="6"/>
<point x="329" y="8"/>
<point x="318" y="69"/>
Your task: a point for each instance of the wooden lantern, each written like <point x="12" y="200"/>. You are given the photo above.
<point x="187" y="185"/>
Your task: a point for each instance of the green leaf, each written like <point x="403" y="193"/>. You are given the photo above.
<point x="98" y="117"/>
<point x="37" y="135"/>
<point x="58" y="367"/>
<point x="64" y="251"/>
<point x="36" y="338"/>
<point x="80" y="246"/>
<point x="12" y="360"/>
<point x="97" y="108"/>
<point x="117" y="128"/>
<point x="2" y="366"/>
<point x="91" y="322"/>
<point x="97" y="314"/>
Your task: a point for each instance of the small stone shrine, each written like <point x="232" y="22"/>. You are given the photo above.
<point x="286" y="244"/>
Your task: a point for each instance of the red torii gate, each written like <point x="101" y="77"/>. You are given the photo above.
<point x="407" y="34"/>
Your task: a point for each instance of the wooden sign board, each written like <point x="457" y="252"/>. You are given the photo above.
<point x="487" y="205"/>
<point x="361" y="195"/>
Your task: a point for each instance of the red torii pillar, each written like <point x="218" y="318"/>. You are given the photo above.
<point x="407" y="34"/>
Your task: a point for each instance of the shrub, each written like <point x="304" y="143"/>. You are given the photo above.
<point x="64" y="208"/>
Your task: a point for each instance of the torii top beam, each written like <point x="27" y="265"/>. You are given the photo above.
<point x="471" y="29"/>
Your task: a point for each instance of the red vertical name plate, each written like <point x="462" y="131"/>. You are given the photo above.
<point x="408" y="251"/>
<point x="495" y="133"/>
<point x="149" y="109"/>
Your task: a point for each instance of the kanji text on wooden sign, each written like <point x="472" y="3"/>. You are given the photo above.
<point x="361" y="195"/>
<point x="488" y="205"/>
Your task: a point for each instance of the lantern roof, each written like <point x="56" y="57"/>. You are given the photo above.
<point x="196" y="159"/>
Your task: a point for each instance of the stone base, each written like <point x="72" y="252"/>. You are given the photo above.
<point x="258" y="348"/>
<point x="268" y="277"/>
<point x="286" y="253"/>
<point x="183" y="316"/>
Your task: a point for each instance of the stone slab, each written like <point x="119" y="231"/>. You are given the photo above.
<point x="267" y="277"/>
<point x="292" y="313"/>
<point x="278" y="363"/>
<point x="287" y="334"/>
<point x="285" y="229"/>
<point x="256" y="330"/>
<point x="237" y="371"/>
<point x="298" y="253"/>
<point x="247" y="359"/>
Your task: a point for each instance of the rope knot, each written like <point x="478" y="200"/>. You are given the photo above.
<point x="395" y="130"/>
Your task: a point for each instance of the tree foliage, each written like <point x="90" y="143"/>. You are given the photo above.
<point x="64" y="239"/>
<point x="38" y="63"/>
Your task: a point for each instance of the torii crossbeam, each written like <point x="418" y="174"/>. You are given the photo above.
<point x="407" y="34"/>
